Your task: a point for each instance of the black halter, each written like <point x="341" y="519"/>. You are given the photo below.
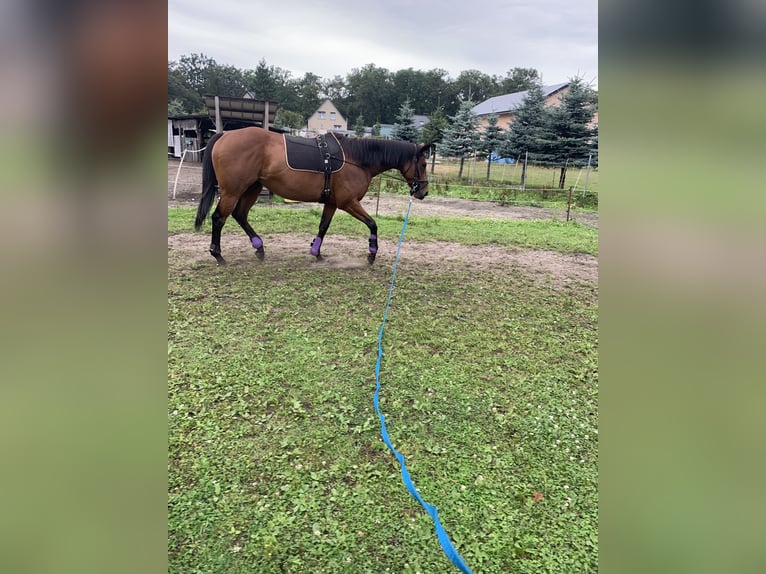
<point x="415" y="183"/>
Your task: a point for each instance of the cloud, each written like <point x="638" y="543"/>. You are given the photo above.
<point x="556" y="37"/>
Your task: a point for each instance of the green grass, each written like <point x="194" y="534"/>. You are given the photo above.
<point x="489" y="387"/>
<point x="537" y="175"/>
<point x="541" y="189"/>
<point x="501" y="193"/>
<point x="551" y="235"/>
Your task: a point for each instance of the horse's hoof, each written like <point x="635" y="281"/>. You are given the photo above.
<point x="370" y="258"/>
<point x="319" y="257"/>
<point x="260" y="253"/>
<point x="220" y="260"/>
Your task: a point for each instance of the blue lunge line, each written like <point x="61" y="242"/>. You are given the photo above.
<point x="444" y="540"/>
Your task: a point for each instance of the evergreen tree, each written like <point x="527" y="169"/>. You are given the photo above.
<point x="359" y="126"/>
<point x="433" y="131"/>
<point x="491" y="139"/>
<point x="405" y="128"/>
<point x="461" y="138"/>
<point x="570" y="138"/>
<point x="376" y="130"/>
<point x="527" y="135"/>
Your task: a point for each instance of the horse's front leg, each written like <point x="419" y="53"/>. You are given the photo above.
<point x="373" y="241"/>
<point x="356" y="210"/>
<point x="324" y="225"/>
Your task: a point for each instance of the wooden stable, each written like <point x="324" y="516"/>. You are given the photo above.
<point x="190" y="133"/>
<point x="234" y="113"/>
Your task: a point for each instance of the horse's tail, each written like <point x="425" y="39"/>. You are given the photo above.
<point x="209" y="181"/>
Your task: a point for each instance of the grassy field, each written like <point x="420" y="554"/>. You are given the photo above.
<point x="538" y="176"/>
<point x="489" y="387"/>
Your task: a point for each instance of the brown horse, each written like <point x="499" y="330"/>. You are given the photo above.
<point x="242" y="161"/>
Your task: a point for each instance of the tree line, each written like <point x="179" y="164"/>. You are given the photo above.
<point x="371" y="94"/>
<point x="561" y="135"/>
<point x="564" y="135"/>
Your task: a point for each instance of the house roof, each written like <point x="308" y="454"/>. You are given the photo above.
<point x="509" y="102"/>
<point x="323" y="107"/>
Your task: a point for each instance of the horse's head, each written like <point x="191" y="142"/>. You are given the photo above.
<point x="416" y="172"/>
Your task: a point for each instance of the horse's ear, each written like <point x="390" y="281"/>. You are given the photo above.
<point x="426" y="150"/>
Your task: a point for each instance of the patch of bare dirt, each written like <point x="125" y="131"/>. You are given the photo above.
<point x="351" y="253"/>
<point x="341" y="252"/>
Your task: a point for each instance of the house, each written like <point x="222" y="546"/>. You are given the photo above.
<point x="387" y="130"/>
<point x="420" y="121"/>
<point x="326" y="119"/>
<point x="504" y="106"/>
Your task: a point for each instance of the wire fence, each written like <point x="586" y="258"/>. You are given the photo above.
<point x="577" y="201"/>
<point x="477" y="171"/>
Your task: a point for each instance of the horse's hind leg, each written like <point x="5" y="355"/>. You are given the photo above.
<point x="244" y="204"/>
<point x="324" y="225"/>
<point x="223" y="209"/>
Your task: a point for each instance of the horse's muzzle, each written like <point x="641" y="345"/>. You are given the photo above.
<point x="419" y="192"/>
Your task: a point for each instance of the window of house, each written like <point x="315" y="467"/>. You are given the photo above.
<point x="337" y="126"/>
<point x="321" y="115"/>
<point x="332" y="115"/>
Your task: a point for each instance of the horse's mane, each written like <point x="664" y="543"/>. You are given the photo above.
<point x="371" y="152"/>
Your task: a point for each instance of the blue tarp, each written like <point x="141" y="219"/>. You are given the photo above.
<point x="494" y="158"/>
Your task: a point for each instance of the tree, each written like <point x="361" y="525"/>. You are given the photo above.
<point x="491" y="139"/>
<point x="376" y="130"/>
<point x="180" y="91"/>
<point x="406" y="85"/>
<point x="570" y="139"/>
<point x="519" y="80"/>
<point x="434" y="130"/>
<point x="461" y="138"/>
<point x="527" y="135"/>
<point x="289" y="119"/>
<point x="370" y="93"/>
<point x="359" y="126"/>
<point x="267" y="82"/>
<point x="224" y="81"/>
<point x="424" y="91"/>
<point x="471" y="85"/>
<point x="306" y="94"/>
<point x="192" y="69"/>
<point x="337" y="92"/>
<point x="175" y="108"/>
<point x="405" y="128"/>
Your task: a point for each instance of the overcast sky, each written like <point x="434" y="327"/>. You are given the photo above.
<point x="559" y="38"/>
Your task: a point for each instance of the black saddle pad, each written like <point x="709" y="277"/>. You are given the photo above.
<point x="304" y="154"/>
